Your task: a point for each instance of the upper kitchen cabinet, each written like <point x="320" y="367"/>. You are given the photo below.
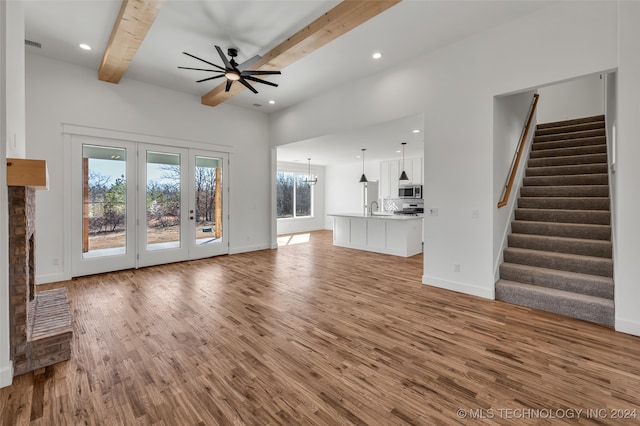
<point x="390" y="175"/>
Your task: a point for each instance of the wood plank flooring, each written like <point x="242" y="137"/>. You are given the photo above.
<point x="312" y="334"/>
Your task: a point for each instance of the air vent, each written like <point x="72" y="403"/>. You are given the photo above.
<point x="257" y="105"/>
<point x="33" y="44"/>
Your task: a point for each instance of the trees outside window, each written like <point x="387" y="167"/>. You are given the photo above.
<point x="294" y="196"/>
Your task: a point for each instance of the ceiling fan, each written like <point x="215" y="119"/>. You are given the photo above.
<point x="233" y="71"/>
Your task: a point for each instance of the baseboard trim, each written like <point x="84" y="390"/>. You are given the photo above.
<point x="245" y="249"/>
<point x="627" y="326"/>
<point x="472" y="290"/>
<point x="6" y="375"/>
<point x="52" y="278"/>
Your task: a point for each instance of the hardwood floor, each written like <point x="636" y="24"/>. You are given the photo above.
<point x="316" y="334"/>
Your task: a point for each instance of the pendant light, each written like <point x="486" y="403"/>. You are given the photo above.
<point x="403" y="175"/>
<point x="363" y="178"/>
<point x="310" y="179"/>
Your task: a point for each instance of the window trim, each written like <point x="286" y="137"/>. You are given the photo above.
<point x="296" y="173"/>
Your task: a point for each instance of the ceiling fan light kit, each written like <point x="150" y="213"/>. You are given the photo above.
<point x="233" y="71"/>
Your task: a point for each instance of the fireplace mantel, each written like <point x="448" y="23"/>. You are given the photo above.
<point x="23" y="172"/>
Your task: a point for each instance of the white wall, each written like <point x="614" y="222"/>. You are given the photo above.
<point x="581" y="97"/>
<point x="60" y="93"/>
<point x="455" y="88"/>
<point x="290" y="226"/>
<point x="12" y="129"/>
<point x="345" y="194"/>
<point x="510" y="114"/>
<point x="15" y="75"/>
<point x="6" y="367"/>
<point x="627" y="176"/>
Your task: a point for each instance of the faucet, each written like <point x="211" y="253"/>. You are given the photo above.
<point x="371" y="208"/>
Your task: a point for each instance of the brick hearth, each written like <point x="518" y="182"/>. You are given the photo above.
<point x="40" y="322"/>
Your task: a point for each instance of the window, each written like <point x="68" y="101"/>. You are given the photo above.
<point x="294" y="196"/>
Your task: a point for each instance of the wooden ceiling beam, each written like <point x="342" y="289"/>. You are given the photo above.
<point x="333" y="24"/>
<point x="131" y="26"/>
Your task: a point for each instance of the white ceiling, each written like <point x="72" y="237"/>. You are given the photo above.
<point x="410" y="28"/>
<point x="382" y="142"/>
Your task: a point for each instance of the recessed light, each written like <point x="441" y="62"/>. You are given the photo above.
<point x="357" y="156"/>
<point x="272" y="102"/>
<point x="398" y="152"/>
<point x="84" y="46"/>
<point x="416" y="131"/>
<point x="377" y="55"/>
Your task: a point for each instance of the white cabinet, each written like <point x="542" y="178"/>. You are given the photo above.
<point x="390" y="175"/>
<point x="396" y="235"/>
<point x="413" y="168"/>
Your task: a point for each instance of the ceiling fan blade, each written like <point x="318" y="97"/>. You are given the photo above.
<point x="224" y="58"/>
<point x="250" y="72"/>
<point x="247" y="85"/>
<point x="210" y="78"/>
<point x="206" y="62"/>
<point x="259" y="80"/>
<point x="226" y="89"/>
<point x="246" y="64"/>
<point x="199" y="69"/>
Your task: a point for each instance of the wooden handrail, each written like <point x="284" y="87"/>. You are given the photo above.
<point x="514" y="165"/>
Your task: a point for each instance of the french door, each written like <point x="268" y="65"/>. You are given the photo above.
<point x="140" y="205"/>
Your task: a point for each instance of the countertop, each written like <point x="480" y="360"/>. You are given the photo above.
<point x="378" y="216"/>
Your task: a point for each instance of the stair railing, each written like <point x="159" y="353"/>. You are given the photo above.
<point x="516" y="156"/>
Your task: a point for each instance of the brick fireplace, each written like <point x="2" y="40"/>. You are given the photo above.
<point x="40" y="321"/>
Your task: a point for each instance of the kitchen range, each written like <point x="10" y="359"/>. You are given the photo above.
<point x="413" y="208"/>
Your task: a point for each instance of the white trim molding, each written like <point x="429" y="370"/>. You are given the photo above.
<point x="75" y="129"/>
<point x="6" y="375"/>
<point x="486" y="293"/>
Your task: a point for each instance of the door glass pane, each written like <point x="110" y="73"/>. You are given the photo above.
<point x="208" y="202"/>
<point x="104" y="201"/>
<point x="163" y="200"/>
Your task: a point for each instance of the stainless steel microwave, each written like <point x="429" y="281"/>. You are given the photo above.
<point x="410" y="191"/>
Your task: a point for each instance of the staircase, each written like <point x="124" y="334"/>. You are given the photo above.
<point x="559" y="254"/>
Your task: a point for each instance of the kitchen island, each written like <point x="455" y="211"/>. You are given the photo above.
<point x="389" y="234"/>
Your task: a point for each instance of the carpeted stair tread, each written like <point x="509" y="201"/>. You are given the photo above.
<point x="569" y="230"/>
<point x="564" y="203"/>
<point x="569" y="128"/>
<point x="565" y="191"/>
<point x="560" y="261"/>
<point x="569" y="151"/>
<point x="570" y="122"/>
<point x="580" y="306"/>
<point x="559" y="254"/>
<point x="595" y="217"/>
<point x="567" y="180"/>
<point x="575" y="282"/>
<point x="566" y="143"/>
<point x="550" y="243"/>
<point x="568" y="160"/>
<point x="570" y="135"/>
<point x="569" y="169"/>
